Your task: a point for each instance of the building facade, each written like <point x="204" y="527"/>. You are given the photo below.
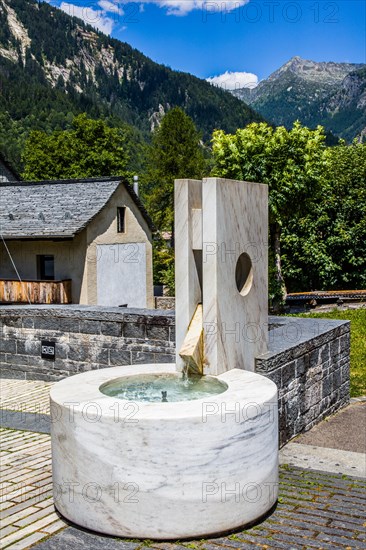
<point x="75" y="241"/>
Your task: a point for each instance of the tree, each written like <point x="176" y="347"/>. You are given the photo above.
<point x="326" y="247"/>
<point x="91" y="148"/>
<point x="290" y="162"/>
<point x="176" y="152"/>
<point x="346" y="181"/>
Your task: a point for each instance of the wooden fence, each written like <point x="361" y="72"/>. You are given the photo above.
<point x="35" y="292"/>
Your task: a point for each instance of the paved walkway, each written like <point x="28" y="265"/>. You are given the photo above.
<point x="27" y="513"/>
<point x="315" y="509"/>
<point x="341" y="431"/>
<point x="338" y="444"/>
<point x="25" y="395"/>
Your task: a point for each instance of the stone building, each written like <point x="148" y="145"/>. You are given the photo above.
<point x="7" y="173"/>
<point x="86" y="241"/>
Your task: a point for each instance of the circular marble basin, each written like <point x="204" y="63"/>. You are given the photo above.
<point x="164" y="470"/>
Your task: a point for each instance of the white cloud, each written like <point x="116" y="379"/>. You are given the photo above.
<point x="97" y="18"/>
<point x="234" y="80"/>
<point x="183" y="7"/>
<point x="111" y="7"/>
<point x="104" y="22"/>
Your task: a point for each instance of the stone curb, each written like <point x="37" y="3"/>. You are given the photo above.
<point x="324" y="459"/>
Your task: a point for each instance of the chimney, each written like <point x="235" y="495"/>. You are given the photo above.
<point x="136" y="184"/>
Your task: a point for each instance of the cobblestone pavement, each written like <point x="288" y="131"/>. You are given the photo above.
<point x="315" y="509"/>
<point x="27" y="513"/>
<point x="25" y="395"/>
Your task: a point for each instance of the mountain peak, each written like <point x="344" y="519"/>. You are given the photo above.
<point x="295" y="59"/>
<point x="326" y="72"/>
<point x="327" y="93"/>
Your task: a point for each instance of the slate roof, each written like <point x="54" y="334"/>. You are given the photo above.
<point x="56" y="209"/>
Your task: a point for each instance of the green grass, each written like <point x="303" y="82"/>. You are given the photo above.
<point x="358" y="344"/>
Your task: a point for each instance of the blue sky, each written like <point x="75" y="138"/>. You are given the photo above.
<point x="210" y="38"/>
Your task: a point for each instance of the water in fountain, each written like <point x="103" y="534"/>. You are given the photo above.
<point x="185" y="372"/>
<point x="156" y="388"/>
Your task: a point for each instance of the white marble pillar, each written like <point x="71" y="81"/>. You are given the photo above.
<point x="227" y="221"/>
<point x="188" y="201"/>
<point x="235" y="254"/>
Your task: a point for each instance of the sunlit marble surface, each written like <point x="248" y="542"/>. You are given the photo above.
<point x="164" y="470"/>
<point x="235" y="221"/>
<point x="188" y="236"/>
<point x="216" y="220"/>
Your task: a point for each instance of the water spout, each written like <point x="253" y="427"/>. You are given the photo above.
<point x="192" y="349"/>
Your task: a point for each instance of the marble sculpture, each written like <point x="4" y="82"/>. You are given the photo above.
<point x="176" y="470"/>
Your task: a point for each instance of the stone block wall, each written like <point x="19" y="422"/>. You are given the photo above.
<point x="310" y="363"/>
<point x="164" y="302"/>
<point x="86" y="338"/>
<point x="308" y="359"/>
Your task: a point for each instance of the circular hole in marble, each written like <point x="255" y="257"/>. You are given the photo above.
<point x="244" y="274"/>
<point x="160" y="388"/>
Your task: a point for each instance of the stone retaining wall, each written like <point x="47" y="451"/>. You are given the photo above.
<point x="86" y="338"/>
<point x="308" y="359"/>
<point x="164" y="302"/>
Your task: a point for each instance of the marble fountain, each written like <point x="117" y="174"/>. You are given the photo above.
<point x="185" y="450"/>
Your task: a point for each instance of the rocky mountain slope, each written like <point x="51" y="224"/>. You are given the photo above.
<point x="53" y="66"/>
<point x="331" y="94"/>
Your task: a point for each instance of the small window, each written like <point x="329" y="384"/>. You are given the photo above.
<point x="46" y="267"/>
<point x="121" y="219"/>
